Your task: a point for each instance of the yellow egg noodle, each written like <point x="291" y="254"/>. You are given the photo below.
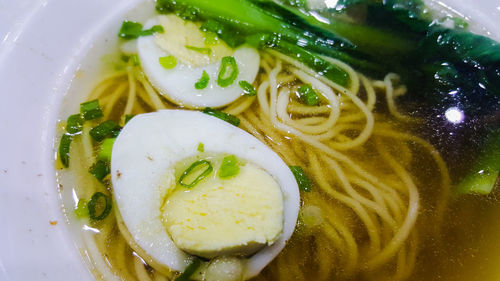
<point x="361" y="217"/>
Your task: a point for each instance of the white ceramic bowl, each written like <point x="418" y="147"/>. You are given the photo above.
<point x="42" y="43"/>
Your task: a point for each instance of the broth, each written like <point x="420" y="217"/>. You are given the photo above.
<point x="362" y="195"/>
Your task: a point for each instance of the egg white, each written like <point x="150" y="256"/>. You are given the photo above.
<point x="177" y="84"/>
<point x="152" y="143"/>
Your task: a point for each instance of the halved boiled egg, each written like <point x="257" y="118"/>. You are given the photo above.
<point x="189" y="184"/>
<point x="191" y="56"/>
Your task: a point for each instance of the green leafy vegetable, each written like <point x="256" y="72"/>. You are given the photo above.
<point x="248" y="88"/>
<point x="201" y="147"/>
<point x="99" y="206"/>
<point x="91" y="110"/>
<point x="168" y="62"/>
<point x="132" y="30"/>
<point x="222" y="115"/>
<point x="99" y="170"/>
<point x="190" y="270"/>
<point x="301" y="178"/>
<point x="228" y="72"/>
<point x="81" y="210"/>
<point x="201" y="50"/>
<point x="203" y="82"/>
<point x="307" y="95"/>
<point x="485" y="173"/>
<point x="194" y="170"/>
<point x="104" y="153"/>
<point x="74" y="124"/>
<point x="229" y="167"/>
<point x="64" y="146"/>
<point x="106" y="129"/>
<point x="128" y="117"/>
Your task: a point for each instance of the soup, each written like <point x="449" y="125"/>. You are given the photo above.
<point x="394" y="148"/>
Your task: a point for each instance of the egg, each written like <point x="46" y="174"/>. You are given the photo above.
<point x="187" y="46"/>
<point x="250" y="215"/>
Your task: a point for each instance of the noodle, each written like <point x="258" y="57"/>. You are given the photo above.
<point x="367" y="197"/>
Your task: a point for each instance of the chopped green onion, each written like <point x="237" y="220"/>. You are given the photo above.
<point x="201" y="147"/>
<point x="301" y="178"/>
<point x="106" y="129"/>
<point x="308" y="96"/>
<point x="203" y="82"/>
<point x="104" y="153"/>
<point x="222" y="115"/>
<point x="99" y="206"/>
<point x="248" y="88"/>
<point x="64" y="149"/>
<point x="99" y="170"/>
<point x="132" y="30"/>
<point x="168" y="62"/>
<point x="202" y="175"/>
<point x="190" y="270"/>
<point x="74" y="124"/>
<point x="228" y="72"/>
<point x="128" y="117"/>
<point x="91" y="110"/>
<point x="135" y="60"/>
<point x="206" y="51"/>
<point x="210" y="38"/>
<point x="229" y="167"/>
<point x="153" y="29"/>
<point x="81" y="210"/>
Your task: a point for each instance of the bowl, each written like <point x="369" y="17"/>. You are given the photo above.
<point x="42" y="46"/>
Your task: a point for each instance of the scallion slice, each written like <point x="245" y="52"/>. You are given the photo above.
<point x="104" y="153"/>
<point x="307" y="95"/>
<point x="248" y="88"/>
<point x="229" y="167"/>
<point x="190" y="270"/>
<point x="132" y="30"/>
<point x="64" y="149"/>
<point x="128" y="117"/>
<point x="301" y="178"/>
<point x="195" y="168"/>
<point x="222" y="115"/>
<point x="203" y="82"/>
<point x="81" y="210"/>
<point x="168" y="62"/>
<point x="106" y="129"/>
<point x="99" y="206"/>
<point x="74" y="124"/>
<point x="91" y="110"/>
<point x="228" y="71"/>
<point x="201" y="147"/>
<point x="99" y="170"/>
<point x="206" y="51"/>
